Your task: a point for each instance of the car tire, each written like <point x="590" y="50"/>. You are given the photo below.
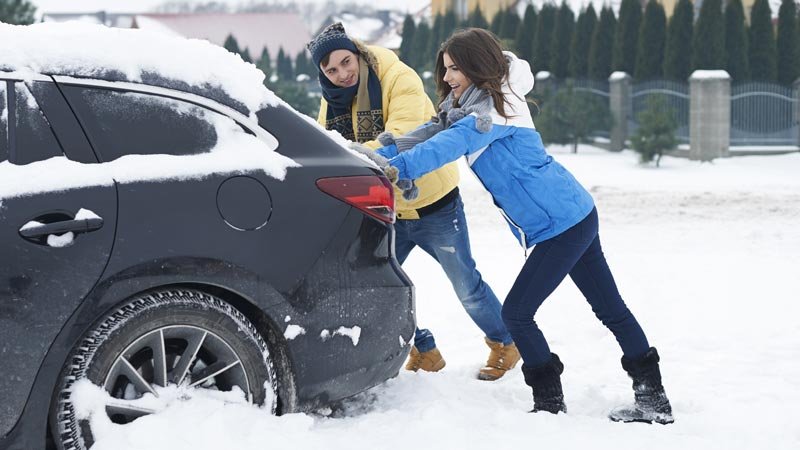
<point x="151" y="334"/>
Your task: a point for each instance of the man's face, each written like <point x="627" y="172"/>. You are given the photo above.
<point x="342" y="68"/>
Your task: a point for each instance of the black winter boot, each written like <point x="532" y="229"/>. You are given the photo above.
<point x="651" y="403"/>
<point x="545" y="381"/>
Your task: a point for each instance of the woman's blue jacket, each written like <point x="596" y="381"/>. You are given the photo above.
<point x="538" y="197"/>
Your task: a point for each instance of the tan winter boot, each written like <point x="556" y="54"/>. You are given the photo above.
<point x="502" y="358"/>
<point x="430" y="361"/>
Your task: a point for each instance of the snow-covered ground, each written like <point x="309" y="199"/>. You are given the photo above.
<point x="706" y="256"/>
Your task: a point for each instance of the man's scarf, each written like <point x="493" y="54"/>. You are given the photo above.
<point x="369" y="105"/>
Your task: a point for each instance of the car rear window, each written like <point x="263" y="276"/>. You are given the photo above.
<point x="128" y="123"/>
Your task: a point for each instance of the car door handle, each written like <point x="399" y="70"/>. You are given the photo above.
<point x="76" y="226"/>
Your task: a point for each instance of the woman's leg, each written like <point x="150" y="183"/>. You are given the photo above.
<point x="594" y="279"/>
<point x="548" y="265"/>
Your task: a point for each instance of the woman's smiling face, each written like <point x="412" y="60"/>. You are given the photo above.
<point x="342" y="68"/>
<point x="454" y="77"/>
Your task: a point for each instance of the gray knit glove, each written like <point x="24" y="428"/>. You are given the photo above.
<point x="409" y="188"/>
<point x="380" y="161"/>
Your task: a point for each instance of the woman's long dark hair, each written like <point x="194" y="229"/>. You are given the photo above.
<point x="479" y="55"/>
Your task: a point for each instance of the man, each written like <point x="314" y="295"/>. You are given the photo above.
<point x="367" y="90"/>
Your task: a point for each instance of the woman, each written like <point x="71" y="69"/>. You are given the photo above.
<point x="367" y="90"/>
<point x="543" y="205"/>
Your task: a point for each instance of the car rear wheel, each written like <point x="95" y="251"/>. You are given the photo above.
<point x="174" y="337"/>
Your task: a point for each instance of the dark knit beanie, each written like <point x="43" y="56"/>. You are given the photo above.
<point x="333" y="37"/>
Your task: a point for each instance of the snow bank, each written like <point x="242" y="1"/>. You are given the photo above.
<point x="86" y="50"/>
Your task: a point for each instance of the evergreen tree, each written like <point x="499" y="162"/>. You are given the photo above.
<point x="296" y="95"/>
<point x="602" y="42"/>
<point x="560" y="44"/>
<point x="17" y="12"/>
<point x="302" y="65"/>
<point x="626" y="36"/>
<point x="407" y="43"/>
<point x="652" y="37"/>
<point x="246" y="55"/>
<point x="422" y="38"/>
<point x="526" y="33"/>
<point x="449" y="25"/>
<point x="581" y="43"/>
<point x="571" y="116"/>
<point x="787" y="44"/>
<point x="477" y="19"/>
<point x="510" y="25"/>
<point x="284" y="66"/>
<point x="678" y="51"/>
<point x="763" y="65"/>
<point x="708" y="41"/>
<point x="497" y="21"/>
<point x="265" y="63"/>
<point x="544" y="34"/>
<point x="435" y="37"/>
<point x="656" y="132"/>
<point x="231" y="44"/>
<point x="736" y="62"/>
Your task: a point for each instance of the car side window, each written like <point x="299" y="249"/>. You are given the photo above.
<point x="30" y="136"/>
<point x="3" y="122"/>
<point x="130" y="123"/>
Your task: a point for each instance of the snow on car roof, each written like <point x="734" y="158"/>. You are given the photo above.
<point x="89" y="50"/>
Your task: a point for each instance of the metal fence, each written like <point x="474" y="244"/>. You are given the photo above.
<point x="763" y="114"/>
<point x="675" y="96"/>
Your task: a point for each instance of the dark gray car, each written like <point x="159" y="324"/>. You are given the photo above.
<point x="221" y="280"/>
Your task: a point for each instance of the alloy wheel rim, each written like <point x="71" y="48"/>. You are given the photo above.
<point x="171" y="355"/>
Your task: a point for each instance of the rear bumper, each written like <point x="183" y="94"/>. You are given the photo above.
<point x="353" y="352"/>
<point x="355" y="308"/>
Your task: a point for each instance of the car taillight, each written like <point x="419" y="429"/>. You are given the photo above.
<point x="373" y="195"/>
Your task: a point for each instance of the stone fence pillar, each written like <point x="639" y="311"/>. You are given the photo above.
<point x="545" y="84"/>
<point x="619" y="99"/>
<point x="709" y="114"/>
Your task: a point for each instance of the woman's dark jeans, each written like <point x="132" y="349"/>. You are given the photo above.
<point x="577" y="253"/>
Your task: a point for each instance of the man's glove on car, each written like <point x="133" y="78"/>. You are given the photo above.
<point x="380" y="161"/>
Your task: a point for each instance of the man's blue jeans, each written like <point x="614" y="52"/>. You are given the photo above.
<point x="577" y="253"/>
<point x="443" y="235"/>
